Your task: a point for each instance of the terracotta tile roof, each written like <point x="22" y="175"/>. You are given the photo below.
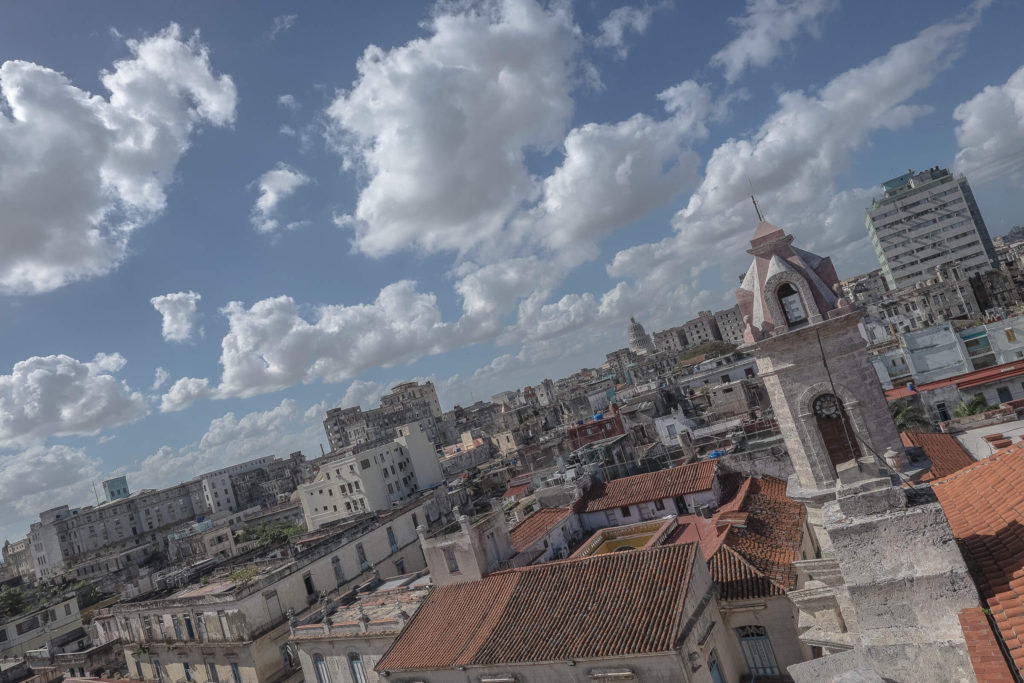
<point x="534" y="527"/>
<point x="984" y="504"/>
<point x="987" y="659"/>
<point x="516" y="490"/>
<point x="643" y="488"/>
<point x="751" y="541"/>
<point x="944" y="450"/>
<point x="603" y="606"/>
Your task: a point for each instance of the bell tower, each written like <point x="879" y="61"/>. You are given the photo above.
<point x="884" y="592"/>
<point x="826" y="396"/>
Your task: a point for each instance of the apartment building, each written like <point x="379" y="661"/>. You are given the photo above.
<point x="923" y="220"/>
<point x="217" y="489"/>
<point x="408" y="402"/>
<point x="375" y="477"/>
<point x="730" y="324"/>
<point x="232" y="625"/>
<point x="702" y="329"/>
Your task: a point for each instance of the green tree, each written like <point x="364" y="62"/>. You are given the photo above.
<point x="711" y="349"/>
<point x="976" y="405"/>
<point x="269" y="533"/>
<point x="908" y="416"/>
<point x="12" y="601"/>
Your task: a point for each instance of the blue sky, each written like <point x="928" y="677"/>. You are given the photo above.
<point x="220" y="219"/>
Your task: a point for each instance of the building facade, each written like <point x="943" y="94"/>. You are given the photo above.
<point x="923" y="220"/>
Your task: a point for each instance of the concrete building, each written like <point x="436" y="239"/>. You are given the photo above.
<point x="116" y="488"/>
<point x="844" y="448"/>
<point x="923" y="220"/>
<point x="702" y="329"/>
<point x="405" y="403"/>
<point x="730" y="325"/>
<point x="97" y="542"/>
<point x="672" y="340"/>
<point x="18" y="558"/>
<point x="37" y="628"/>
<point x="233" y="626"/>
<point x="344" y="645"/>
<point x="639" y="341"/>
<point x="373" y="478"/>
<point x="217" y="489"/>
<point x="47" y="557"/>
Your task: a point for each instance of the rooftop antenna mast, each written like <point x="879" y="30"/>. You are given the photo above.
<point x="760" y="216"/>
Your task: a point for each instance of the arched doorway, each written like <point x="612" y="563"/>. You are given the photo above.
<point x="835" y="429"/>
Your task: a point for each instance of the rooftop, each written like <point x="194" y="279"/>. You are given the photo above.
<point x="536" y="526"/>
<point x="947" y="454"/>
<point x="380" y="607"/>
<point x="642" y="488"/>
<point x="610" y="605"/>
<point x="968" y="380"/>
<point x="984" y="504"/>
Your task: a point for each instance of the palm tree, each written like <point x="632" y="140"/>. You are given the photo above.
<point x="972" y="407"/>
<point x="908" y="416"/>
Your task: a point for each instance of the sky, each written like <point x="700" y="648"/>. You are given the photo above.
<point x="217" y="220"/>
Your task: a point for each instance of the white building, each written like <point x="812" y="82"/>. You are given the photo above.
<point x="35" y="629"/>
<point x="923" y="220"/>
<point x="217" y="490"/>
<point x="47" y="558"/>
<point x="376" y="477"/>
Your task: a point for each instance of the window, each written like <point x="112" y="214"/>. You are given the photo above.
<point x="67" y="610"/>
<point x="177" y="627"/>
<point x="3" y="634"/>
<point x="453" y="562"/>
<point x="1004" y="394"/>
<point x="365" y="464"/>
<point x="308" y="581"/>
<point x="361" y="554"/>
<point x="399" y="566"/>
<point x="392" y="540"/>
<point x="320" y="667"/>
<point x="659" y="504"/>
<point x="415" y="521"/>
<point x="757" y="650"/>
<point x="792" y="304"/>
<point x="156" y="670"/>
<point x="213" y="673"/>
<point x="625" y="511"/>
<point x="188" y="671"/>
<point x="188" y="627"/>
<point x="339" y="573"/>
<point x="355" y="662"/>
<point x="236" y="675"/>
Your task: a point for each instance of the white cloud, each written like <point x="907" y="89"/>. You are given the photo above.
<point x="282" y="23"/>
<point x="765" y="29"/>
<point x="179" y="311"/>
<point x="991" y="132"/>
<point x="618" y="22"/>
<point x="363" y="393"/>
<point x="271" y="346"/>
<point x="441" y="125"/>
<point x="226" y="429"/>
<point x="159" y="377"/>
<point x="288" y="101"/>
<point x="614" y="174"/>
<point x="275" y="186"/>
<point x="111" y="158"/>
<point x="48" y="396"/>
<point x="184" y="393"/>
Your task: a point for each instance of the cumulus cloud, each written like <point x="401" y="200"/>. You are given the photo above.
<point x="765" y="29"/>
<point x="48" y="396"/>
<point x="111" y="158"/>
<point x="618" y="22"/>
<point x="184" y="393"/>
<point x="991" y="131"/>
<point x="282" y="23"/>
<point x="179" y="312"/>
<point x="442" y="124"/>
<point x="288" y="101"/>
<point x="275" y="186"/>
<point x="271" y="345"/>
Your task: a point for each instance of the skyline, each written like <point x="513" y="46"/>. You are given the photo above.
<point x="582" y="166"/>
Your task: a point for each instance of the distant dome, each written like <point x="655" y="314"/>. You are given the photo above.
<point x="639" y="342"/>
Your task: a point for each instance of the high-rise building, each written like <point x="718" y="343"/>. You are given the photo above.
<point x="923" y="220"/>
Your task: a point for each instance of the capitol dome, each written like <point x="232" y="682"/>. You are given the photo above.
<point x="639" y="342"/>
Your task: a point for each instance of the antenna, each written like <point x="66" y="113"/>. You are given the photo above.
<point x="760" y="216"/>
<point x="95" y="494"/>
<point x="757" y="208"/>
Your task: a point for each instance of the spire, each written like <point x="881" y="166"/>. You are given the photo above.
<point x="760" y="216"/>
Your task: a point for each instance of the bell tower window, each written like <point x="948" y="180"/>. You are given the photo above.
<point x="792" y="305"/>
<point x="835" y="429"/>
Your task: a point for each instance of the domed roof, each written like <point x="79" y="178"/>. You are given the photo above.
<point x="639" y="342"/>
